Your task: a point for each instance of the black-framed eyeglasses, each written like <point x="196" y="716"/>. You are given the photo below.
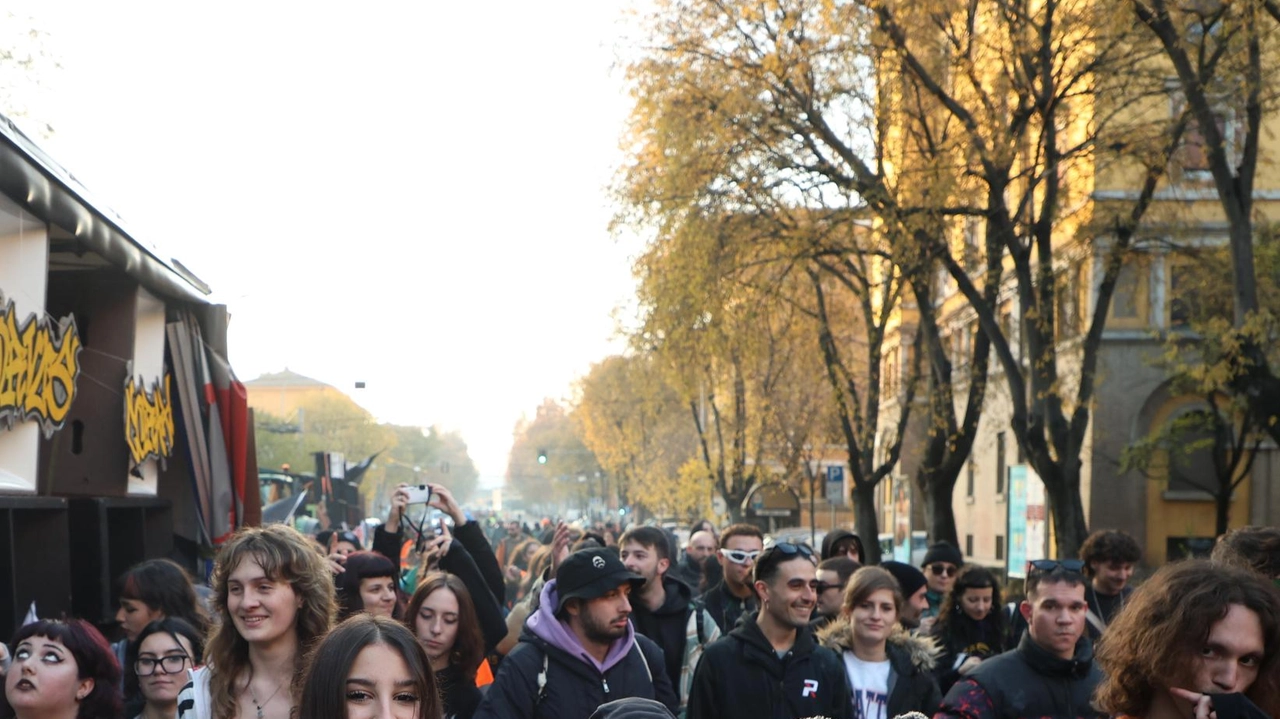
<point x="821" y="587"/>
<point x="1048" y="565"/>
<point x="170" y="664"/>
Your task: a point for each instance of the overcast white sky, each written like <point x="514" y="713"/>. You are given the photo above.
<point x="407" y="194"/>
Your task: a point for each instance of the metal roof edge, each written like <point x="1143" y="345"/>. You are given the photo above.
<point x="47" y="190"/>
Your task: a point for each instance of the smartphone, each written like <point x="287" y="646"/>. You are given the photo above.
<point x="418" y="494"/>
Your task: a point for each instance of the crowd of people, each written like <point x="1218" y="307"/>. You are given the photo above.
<point x="464" y="619"/>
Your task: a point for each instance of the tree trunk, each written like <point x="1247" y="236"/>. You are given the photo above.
<point x="938" y="487"/>
<point x="864" y="512"/>
<point x="1222" y="511"/>
<point x="1068" y="511"/>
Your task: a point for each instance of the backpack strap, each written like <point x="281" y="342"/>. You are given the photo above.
<point x="542" y="680"/>
<point x="647" y="670"/>
<point x="1095" y="621"/>
<point x="698" y="621"/>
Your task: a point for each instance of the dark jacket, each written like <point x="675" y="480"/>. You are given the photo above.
<point x="460" y="562"/>
<point x="549" y="676"/>
<point x="912" y="687"/>
<point x="725" y="608"/>
<point x="688" y="571"/>
<point x="741" y="677"/>
<point x="1027" y="682"/>
<point x="460" y="697"/>
<point x="963" y="638"/>
<point x="1102" y="609"/>
<point x="667" y="624"/>
<point x="837" y="535"/>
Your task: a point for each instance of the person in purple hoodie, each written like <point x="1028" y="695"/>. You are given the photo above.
<point x="579" y="650"/>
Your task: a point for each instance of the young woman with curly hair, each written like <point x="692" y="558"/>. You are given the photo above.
<point x="274" y="596"/>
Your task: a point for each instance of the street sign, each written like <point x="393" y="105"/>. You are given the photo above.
<point x="719" y="506"/>
<point x="835" y="484"/>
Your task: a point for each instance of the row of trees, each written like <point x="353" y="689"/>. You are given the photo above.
<point x="331" y="422"/>
<point x="830" y="189"/>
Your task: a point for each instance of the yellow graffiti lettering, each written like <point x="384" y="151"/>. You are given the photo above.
<point x="148" y="420"/>
<point x="39" y="366"/>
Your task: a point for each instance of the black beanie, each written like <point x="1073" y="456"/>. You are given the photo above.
<point x="943" y="552"/>
<point x="909" y="578"/>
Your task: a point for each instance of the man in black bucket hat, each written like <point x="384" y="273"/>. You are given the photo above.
<point x="579" y="650"/>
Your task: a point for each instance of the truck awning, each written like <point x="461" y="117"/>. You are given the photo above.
<point x="47" y="190"/>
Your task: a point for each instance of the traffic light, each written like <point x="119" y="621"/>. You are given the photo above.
<point x="542" y="456"/>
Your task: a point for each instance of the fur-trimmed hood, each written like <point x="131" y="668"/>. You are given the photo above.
<point x="921" y="651"/>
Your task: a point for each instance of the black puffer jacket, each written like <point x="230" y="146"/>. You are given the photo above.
<point x="741" y="676"/>
<point x="912" y="687"/>
<point x="1027" y="682"/>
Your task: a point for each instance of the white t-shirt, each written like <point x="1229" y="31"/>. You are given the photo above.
<point x="870" y="684"/>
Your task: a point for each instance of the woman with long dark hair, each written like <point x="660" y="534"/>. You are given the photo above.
<point x="369" y="666"/>
<point x="61" y="670"/>
<point x="442" y="615"/>
<point x="970" y="625"/>
<point x="147" y="591"/>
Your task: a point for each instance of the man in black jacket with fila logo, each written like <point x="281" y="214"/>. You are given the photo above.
<point x="770" y="667"/>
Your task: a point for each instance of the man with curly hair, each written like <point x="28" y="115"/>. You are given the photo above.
<point x="1256" y="548"/>
<point x="1196" y="637"/>
<point x="1108" y="557"/>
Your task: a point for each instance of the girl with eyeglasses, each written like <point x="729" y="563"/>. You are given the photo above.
<point x="161" y="657"/>
<point x="971" y="627"/>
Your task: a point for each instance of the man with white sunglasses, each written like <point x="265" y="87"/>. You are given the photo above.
<point x="726" y="602"/>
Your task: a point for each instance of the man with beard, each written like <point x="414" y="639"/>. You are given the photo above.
<point x="1108" y="557"/>
<point x="579" y="649"/>
<point x="833" y="575"/>
<point x="1196" y="637"/>
<point x="1051" y="673"/>
<point x="507" y="545"/>
<point x="914" y="585"/>
<point x="770" y="667"/>
<point x="700" y="549"/>
<point x="733" y="596"/>
<point x="663" y="608"/>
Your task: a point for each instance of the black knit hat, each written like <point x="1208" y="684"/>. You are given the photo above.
<point x="909" y="578"/>
<point x="591" y="574"/>
<point x="943" y="552"/>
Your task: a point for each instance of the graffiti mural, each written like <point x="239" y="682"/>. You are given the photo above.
<point x="148" y="419"/>
<point x="39" y="366"/>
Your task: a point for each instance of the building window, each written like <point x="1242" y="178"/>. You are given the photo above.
<point x="1129" y="300"/>
<point x="968" y="545"/>
<point x="999" y="547"/>
<point x="1001" y="470"/>
<point x="968" y="480"/>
